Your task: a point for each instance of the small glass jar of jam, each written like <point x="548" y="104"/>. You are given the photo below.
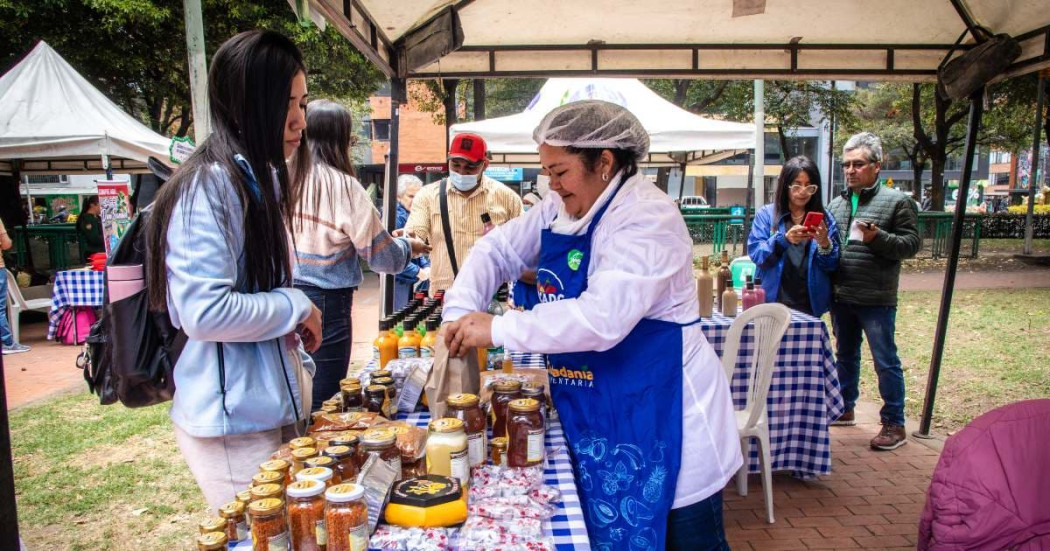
<point x="322" y="461"/>
<point x="505" y="392"/>
<point x="536" y="392"/>
<point x="337" y="404"/>
<point x="212" y="524"/>
<point x="353" y="401"/>
<point x="267" y="491"/>
<point x="212" y="541"/>
<point x="382" y="443"/>
<point x="467" y="408"/>
<point x="346" y="518"/>
<point x="380" y="373"/>
<point x="345" y="466"/>
<point x="391" y="393"/>
<point x="269" y="529"/>
<point x="499" y="451"/>
<point x="245" y="498"/>
<point x="268" y="477"/>
<point x="299" y="457"/>
<point x="376" y="399"/>
<point x="302" y="442"/>
<point x="280" y="466"/>
<point x="321" y="474"/>
<point x="526" y="432"/>
<point x="236" y="521"/>
<point x="306" y="515"/>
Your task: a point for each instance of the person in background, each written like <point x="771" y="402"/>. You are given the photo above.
<point x="89" y="226"/>
<point x="418" y="270"/>
<point x="619" y="304"/>
<point x="795" y="262"/>
<point x="220" y="265"/>
<point x="470" y="194"/>
<point x="880" y="230"/>
<point x="530" y="200"/>
<point x="335" y="223"/>
<point x="7" y="339"/>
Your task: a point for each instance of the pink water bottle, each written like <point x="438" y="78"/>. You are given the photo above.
<point x="760" y="293"/>
<point x="749" y="298"/>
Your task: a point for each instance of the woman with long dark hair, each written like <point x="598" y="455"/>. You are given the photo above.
<point x="795" y="261"/>
<point x="335" y="223"/>
<point x="220" y="264"/>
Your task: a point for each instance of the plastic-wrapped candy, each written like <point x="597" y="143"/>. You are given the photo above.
<point x="487" y="533"/>
<point x="545" y="494"/>
<point x="396" y="538"/>
<point x="510" y="508"/>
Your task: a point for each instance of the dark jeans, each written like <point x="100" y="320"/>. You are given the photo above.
<point x="333" y="358"/>
<point x="851" y="323"/>
<point x="697" y="527"/>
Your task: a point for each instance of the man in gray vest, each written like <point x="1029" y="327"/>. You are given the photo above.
<point x="879" y="230"/>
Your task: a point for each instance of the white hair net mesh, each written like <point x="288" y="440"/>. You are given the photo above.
<point x="593" y="124"/>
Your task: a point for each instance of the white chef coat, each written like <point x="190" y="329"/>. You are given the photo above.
<point x="641" y="267"/>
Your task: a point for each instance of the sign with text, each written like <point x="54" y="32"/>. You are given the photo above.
<point x="115" y="200"/>
<point x="505" y="174"/>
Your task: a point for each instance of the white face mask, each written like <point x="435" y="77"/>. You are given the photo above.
<point x="543" y="184"/>
<point x="461" y="182"/>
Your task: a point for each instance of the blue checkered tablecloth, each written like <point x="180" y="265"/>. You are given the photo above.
<point x="74" y="288"/>
<point x="804" y="395"/>
<point x="566" y="526"/>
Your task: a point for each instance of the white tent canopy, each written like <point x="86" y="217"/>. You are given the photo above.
<point x="793" y="39"/>
<point x="49" y="111"/>
<point x="676" y="135"/>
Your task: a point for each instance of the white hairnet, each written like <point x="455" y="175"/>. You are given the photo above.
<point x="593" y="124"/>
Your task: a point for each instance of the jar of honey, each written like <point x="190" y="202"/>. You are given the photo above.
<point x="505" y="392"/>
<point x="467" y="408"/>
<point x="526" y="433"/>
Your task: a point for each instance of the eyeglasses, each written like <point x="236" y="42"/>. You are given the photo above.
<point x="807" y="190"/>
<point x="857" y="165"/>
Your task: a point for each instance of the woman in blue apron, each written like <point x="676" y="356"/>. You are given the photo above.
<point x="641" y="394"/>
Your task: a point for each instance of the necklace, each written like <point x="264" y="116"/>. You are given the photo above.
<point x="797" y="219"/>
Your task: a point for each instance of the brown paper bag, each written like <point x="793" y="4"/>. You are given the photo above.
<point x="450" y="376"/>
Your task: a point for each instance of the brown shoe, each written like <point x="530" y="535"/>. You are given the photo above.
<point x="890" y="437"/>
<point x="847" y="419"/>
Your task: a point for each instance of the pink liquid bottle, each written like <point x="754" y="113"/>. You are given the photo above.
<point x="760" y="293"/>
<point x="749" y="298"/>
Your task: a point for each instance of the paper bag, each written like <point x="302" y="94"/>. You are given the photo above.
<point x="450" y="376"/>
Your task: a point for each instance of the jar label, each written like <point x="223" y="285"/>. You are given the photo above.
<point x="406" y="352"/>
<point x="476" y="448"/>
<point x="359" y="538"/>
<point x="321" y="532"/>
<point x="459" y="466"/>
<point x="534" y="451"/>
<point x="279" y="542"/>
<point x="426" y="352"/>
<point x="242" y="530"/>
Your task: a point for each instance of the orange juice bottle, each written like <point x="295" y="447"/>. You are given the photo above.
<point x="429" y="341"/>
<point x="408" y="344"/>
<point x="387" y="343"/>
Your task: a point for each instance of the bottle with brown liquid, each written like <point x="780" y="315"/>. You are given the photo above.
<point x="729" y="300"/>
<point x="705" y="289"/>
<point x="725" y="275"/>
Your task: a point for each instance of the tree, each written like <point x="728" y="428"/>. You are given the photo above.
<point x="885" y="110"/>
<point x="134" y="51"/>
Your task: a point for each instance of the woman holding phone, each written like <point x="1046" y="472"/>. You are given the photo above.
<point x="794" y="241"/>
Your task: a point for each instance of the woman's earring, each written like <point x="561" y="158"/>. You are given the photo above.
<point x="605" y="177"/>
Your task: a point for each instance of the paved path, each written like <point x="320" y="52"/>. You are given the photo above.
<point x="1021" y="279"/>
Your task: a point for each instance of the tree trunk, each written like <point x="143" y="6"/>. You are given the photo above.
<point x="681" y="88"/>
<point x="937" y="163"/>
<point x="784" y="154"/>
<point x="448" y="101"/>
<point x="479" y="99"/>
<point x="185" y="120"/>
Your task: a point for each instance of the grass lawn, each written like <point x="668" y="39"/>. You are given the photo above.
<point x="92" y="477"/>
<point x="1014" y="246"/>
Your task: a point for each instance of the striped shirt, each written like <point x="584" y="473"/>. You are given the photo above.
<point x="465" y="211"/>
<point x="340" y="223"/>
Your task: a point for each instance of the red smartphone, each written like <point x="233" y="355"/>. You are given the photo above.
<point x="813" y="219"/>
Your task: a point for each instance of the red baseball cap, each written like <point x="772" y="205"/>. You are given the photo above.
<point x="468" y="146"/>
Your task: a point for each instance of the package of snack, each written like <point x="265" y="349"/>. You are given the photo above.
<point x="545" y="494"/>
<point x="396" y="538"/>
<point x="486" y="533"/>
<point x="411" y="440"/>
<point x="411" y="385"/>
<point x="377" y="477"/>
<point x="338" y="422"/>
<point x="510" y="508"/>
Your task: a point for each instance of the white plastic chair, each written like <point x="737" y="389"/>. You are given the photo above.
<point x="16" y="303"/>
<point x="770" y="322"/>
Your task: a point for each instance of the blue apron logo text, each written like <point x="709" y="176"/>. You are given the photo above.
<point x="549" y="286"/>
<point x="571" y="377"/>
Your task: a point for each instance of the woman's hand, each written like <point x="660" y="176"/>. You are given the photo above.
<point x="528" y="277"/>
<point x="798" y="234"/>
<point x="471" y="331"/>
<point x="419" y="247"/>
<point x="820" y="233"/>
<point x="310" y="330"/>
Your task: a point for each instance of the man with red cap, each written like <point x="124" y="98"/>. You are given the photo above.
<point x="452" y="214"/>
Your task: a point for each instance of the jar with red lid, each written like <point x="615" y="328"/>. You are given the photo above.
<point x="505" y="392"/>
<point x="526" y="433"/>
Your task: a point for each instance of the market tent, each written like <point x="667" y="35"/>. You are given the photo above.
<point x="800" y="39"/>
<point x="676" y="135"/>
<point x="49" y="112"/>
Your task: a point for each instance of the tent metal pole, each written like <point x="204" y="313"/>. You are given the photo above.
<point x="750" y="189"/>
<point x="1033" y="184"/>
<point x="681" y="187"/>
<point x="830" y="192"/>
<point x="760" y="144"/>
<point x="8" y="505"/>
<point x="973" y="126"/>
<point x="397" y="93"/>
<point x="198" y="64"/>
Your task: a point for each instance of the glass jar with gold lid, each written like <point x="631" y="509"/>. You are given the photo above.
<point x="211" y="541"/>
<point x="212" y="524"/>
<point x="299" y="457"/>
<point x="236" y="521"/>
<point x="302" y="442"/>
<point x="525" y="433"/>
<point x="345" y="465"/>
<point x="504" y="393"/>
<point x="269" y="477"/>
<point x="320" y="474"/>
<point x="381" y="442"/>
<point x="266" y="491"/>
<point x="447" y="449"/>
<point x="467" y="408"/>
<point x="269" y="529"/>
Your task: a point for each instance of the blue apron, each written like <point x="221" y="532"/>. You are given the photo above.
<point x="525" y="296"/>
<point x="621" y="410"/>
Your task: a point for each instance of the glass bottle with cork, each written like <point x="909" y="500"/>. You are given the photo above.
<point x="725" y="276"/>
<point x="705" y="288"/>
<point x="729" y="300"/>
